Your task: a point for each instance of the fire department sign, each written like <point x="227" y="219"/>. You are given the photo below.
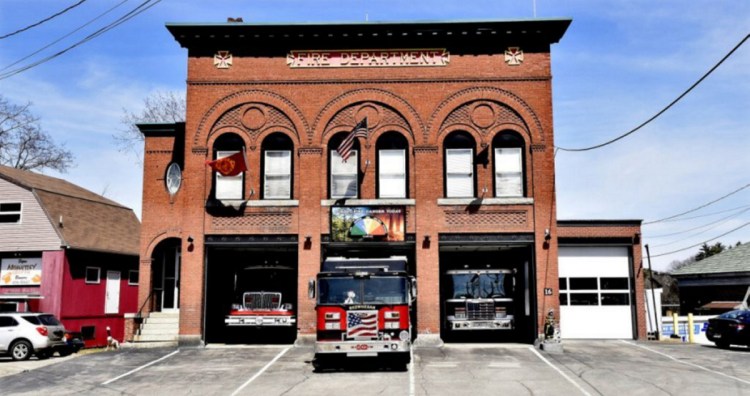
<point x="426" y="57"/>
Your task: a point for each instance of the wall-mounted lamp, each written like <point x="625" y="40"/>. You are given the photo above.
<point x="190" y="239"/>
<point x="547" y="235"/>
<point x="190" y="246"/>
<point x="308" y="238"/>
<point x="427" y="238"/>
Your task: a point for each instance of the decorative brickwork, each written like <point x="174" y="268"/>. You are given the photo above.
<point x="268" y="222"/>
<point x="487" y="218"/>
<point x="483" y="115"/>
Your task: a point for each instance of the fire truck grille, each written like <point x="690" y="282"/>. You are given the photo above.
<point x="262" y="301"/>
<point x="480" y="310"/>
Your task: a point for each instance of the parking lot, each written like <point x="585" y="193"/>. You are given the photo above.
<point x="585" y="368"/>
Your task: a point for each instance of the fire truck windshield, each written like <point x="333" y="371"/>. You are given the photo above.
<point x="373" y="290"/>
<point x="479" y="285"/>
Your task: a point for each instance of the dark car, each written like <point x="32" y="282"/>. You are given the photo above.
<point x="729" y="328"/>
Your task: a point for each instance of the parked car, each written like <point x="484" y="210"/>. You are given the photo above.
<point x="732" y="327"/>
<point x="23" y="334"/>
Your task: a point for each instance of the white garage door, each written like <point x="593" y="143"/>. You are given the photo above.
<point x="595" y="299"/>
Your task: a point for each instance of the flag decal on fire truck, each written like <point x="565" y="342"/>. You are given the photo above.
<point x="362" y="324"/>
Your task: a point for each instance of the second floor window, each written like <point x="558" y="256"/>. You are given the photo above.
<point x="509" y="169"/>
<point x="10" y="212"/>
<point x="229" y="187"/>
<point x="392" y="173"/>
<point x="459" y="165"/>
<point x="277" y="166"/>
<point x="344" y="175"/>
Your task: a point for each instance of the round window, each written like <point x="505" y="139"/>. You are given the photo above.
<point x="173" y="178"/>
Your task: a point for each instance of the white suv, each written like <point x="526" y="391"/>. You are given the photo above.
<point x="25" y="333"/>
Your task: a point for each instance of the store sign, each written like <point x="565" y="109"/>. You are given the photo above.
<point x="368" y="223"/>
<point x="369" y="58"/>
<point x="21" y="272"/>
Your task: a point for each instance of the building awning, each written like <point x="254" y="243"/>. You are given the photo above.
<point x="716" y="305"/>
<point x="20" y="297"/>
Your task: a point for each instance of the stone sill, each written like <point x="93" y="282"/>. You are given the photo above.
<point x="369" y="202"/>
<point x="484" y="201"/>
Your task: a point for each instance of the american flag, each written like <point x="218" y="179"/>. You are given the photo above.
<point x="345" y="148"/>
<point x="362" y="324"/>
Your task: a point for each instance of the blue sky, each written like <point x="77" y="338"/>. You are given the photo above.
<point x="618" y="64"/>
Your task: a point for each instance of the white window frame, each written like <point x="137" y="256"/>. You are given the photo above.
<point x="392" y="179"/>
<point x="287" y="175"/>
<point x="509" y="177"/>
<point x="448" y="172"/>
<point x="19" y="212"/>
<point x="98" y="276"/>
<point x="354" y="159"/>
<point x="237" y="181"/>
<point x="137" y="277"/>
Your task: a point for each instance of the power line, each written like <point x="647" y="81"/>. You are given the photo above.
<point x="43" y="20"/>
<point x="65" y="36"/>
<point x="699" y="207"/>
<point x="699" y="244"/>
<point x="697" y="228"/>
<point x="136" y="11"/>
<point x="664" y="109"/>
<point x="703" y="215"/>
<point x="710" y="227"/>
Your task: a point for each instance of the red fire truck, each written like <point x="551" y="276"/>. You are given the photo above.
<point x="363" y="309"/>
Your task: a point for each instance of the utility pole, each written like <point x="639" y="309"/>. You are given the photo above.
<point x="653" y="295"/>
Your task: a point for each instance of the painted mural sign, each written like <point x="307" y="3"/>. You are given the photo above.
<point x="368" y="223"/>
<point x="422" y="57"/>
<point x="21" y="272"/>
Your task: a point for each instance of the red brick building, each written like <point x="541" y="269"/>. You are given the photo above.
<point x="460" y="150"/>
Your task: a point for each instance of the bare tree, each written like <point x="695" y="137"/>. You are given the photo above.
<point x="23" y="143"/>
<point x="159" y="107"/>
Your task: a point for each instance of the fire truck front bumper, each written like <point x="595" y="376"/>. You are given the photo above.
<point x="362" y="348"/>
<point x="496" y="324"/>
<point x="260" y="320"/>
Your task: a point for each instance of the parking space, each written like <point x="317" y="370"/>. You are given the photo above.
<point x="585" y="368"/>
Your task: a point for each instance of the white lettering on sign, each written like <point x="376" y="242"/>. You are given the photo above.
<point x="369" y="58"/>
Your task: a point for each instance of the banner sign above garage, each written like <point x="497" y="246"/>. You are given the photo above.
<point x="369" y="58"/>
<point x="21" y="272"/>
<point x="368" y="223"/>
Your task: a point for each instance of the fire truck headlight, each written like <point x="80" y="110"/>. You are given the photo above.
<point x="259" y="321"/>
<point x="391" y="325"/>
<point x="404" y="335"/>
<point x="333" y="315"/>
<point x="392" y="315"/>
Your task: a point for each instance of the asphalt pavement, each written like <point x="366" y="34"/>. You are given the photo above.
<point x="584" y="368"/>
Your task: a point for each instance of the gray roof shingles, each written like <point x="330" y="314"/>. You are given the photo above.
<point x="733" y="260"/>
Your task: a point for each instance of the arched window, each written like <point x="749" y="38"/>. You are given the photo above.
<point x="276" y="157"/>
<point x="392" y="165"/>
<point x="459" y="165"/>
<point x="509" y="164"/>
<point x="229" y="187"/>
<point x="344" y="181"/>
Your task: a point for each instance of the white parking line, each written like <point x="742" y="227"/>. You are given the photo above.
<point x="687" y="363"/>
<point x="410" y="368"/>
<point x="260" y="372"/>
<point x="139" y="368"/>
<point x="539" y="355"/>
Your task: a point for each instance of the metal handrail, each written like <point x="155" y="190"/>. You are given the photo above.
<point x="140" y="311"/>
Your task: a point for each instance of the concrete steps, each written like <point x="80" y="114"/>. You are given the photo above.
<point x="158" y="329"/>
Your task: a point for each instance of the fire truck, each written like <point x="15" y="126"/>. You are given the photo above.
<point x="480" y="298"/>
<point x="256" y="305"/>
<point x="363" y="309"/>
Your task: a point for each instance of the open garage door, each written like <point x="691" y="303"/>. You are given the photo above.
<point x="251" y="294"/>
<point x="596" y="298"/>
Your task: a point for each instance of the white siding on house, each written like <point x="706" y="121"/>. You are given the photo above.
<point x="34" y="232"/>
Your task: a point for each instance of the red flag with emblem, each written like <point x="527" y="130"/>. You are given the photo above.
<point x="229" y="166"/>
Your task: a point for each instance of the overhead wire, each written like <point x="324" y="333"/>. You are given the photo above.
<point x="710" y="227"/>
<point x="662" y="111"/>
<point x="700" y="226"/>
<point x="66" y="35"/>
<point x="33" y="25"/>
<point x="701" y="243"/>
<point x="699" y="207"/>
<point x="136" y="11"/>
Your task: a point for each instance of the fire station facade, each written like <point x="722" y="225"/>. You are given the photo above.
<point x="456" y="171"/>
